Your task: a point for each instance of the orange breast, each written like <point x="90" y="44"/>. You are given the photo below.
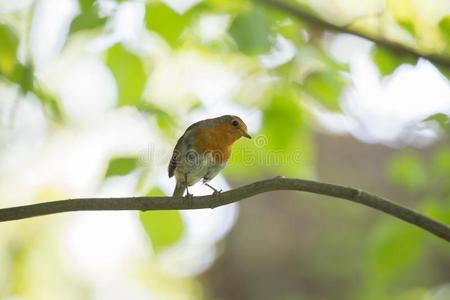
<point x="217" y="140"/>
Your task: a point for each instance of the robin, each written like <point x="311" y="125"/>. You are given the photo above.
<point x="203" y="150"/>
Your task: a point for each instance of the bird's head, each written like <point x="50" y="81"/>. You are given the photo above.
<point x="234" y="126"/>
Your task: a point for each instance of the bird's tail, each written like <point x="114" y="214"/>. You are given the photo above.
<point x="179" y="190"/>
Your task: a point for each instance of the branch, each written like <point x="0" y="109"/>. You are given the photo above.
<point x="300" y="13"/>
<point x="276" y="184"/>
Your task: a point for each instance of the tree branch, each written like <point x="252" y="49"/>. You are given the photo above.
<point x="279" y="183"/>
<point x="300" y="13"/>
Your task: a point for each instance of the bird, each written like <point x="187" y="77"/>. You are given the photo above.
<point x="203" y="151"/>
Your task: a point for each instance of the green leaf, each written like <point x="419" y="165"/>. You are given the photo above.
<point x="442" y="119"/>
<point x="129" y="73"/>
<point x="388" y="61"/>
<point x="121" y="166"/>
<point x="408" y="26"/>
<point x="394" y="248"/>
<point x="23" y="76"/>
<point x="87" y="20"/>
<point x="163" y="20"/>
<point x="326" y="87"/>
<point x="164" y="228"/>
<point x="282" y="119"/>
<point x="164" y="120"/>
<point x="49" y="102"/>
<point x="86" y="5"/>
<point x="408" y="171"/>
<point x="252" y="32"/>
<point x="8" y="48"/>
<point x="227" y="6"/>
<point x="444" y="26"/>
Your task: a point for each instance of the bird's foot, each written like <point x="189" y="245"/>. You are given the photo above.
<point x="213" y="188"/>
<point x="218" y="199"/>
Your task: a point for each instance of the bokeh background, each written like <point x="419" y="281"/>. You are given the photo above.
<point x="94" y="94"/>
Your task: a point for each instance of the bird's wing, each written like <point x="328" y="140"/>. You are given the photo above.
<point x="182" y="142"/>
<point x="175" y="156"/>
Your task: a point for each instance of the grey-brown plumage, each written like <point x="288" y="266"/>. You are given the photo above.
<point x="203" y="150"/>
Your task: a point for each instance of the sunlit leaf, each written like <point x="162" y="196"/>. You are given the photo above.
<point x="129" y="73"/>
<point x="408" y="26"/>
<point x="442" y="119"/>
<point x="252" y="32"/>
<point x="164" y="228"/>
<point x="87" y="20"/>
<point x="163" y="20"/>
<point x="326" y="87"/>
<point x="163" y="119"/>
<point x="8" y="47"/>
<point x="388" y="61"/>
<point x="287" y="109"/>
<point x="227" y="6"/>
<point x="86" y="5"/>
<point x="49" y="102"/>
<point x="444" y="26"/>
<point x="23" y="76"/>
<point x="121" y="166"/>
<point x="408" y="171"/>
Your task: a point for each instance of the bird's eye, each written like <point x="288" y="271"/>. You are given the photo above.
<point x="235" y="123"/>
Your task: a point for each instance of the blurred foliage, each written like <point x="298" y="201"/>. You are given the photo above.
<point x="129" y="72"/>
<point x="164" y="228"/>
<point x="121" y="166"/>
<point x="8" y="48"/>
<point x="166" y="22"/>
<point x="444" y="26"/>
<point x="252" y="32"/>
<point x="88" y="18"/>
<point x="395" y="260"/>
<point x="325" y="87"/>
<point x="407" y="170"/>
<point x="387" y="61"/>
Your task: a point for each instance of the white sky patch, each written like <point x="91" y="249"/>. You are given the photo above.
<point x="88" y="90"/>
<point x="342" y="12"/>
<point x="282" y="52"/>
<point x="212" y="27"/>
<point x="101" y="245"/>
<point x="346" y="47"/>
<point x="128" y="22"/>
<point x="386" y="108"/>
<point x="50" y="25"/>
<point x="22" y="119"/>
<point x="8" y="6"/>
<point x="390" y="109"/>
<point x="181" y="80"/>
<point x="181" y="6"/>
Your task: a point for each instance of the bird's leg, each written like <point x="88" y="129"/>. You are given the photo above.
<point x="217" y="193"/>
<point x="188" y="195"/>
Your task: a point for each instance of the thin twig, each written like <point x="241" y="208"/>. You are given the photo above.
<point x="170" y="203"/>
<point x="304" y="15"/>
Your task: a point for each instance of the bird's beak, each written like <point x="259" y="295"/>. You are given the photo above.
<point x="245" y="134"/>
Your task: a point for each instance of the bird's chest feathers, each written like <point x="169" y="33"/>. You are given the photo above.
<point x="215" y="142"/>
